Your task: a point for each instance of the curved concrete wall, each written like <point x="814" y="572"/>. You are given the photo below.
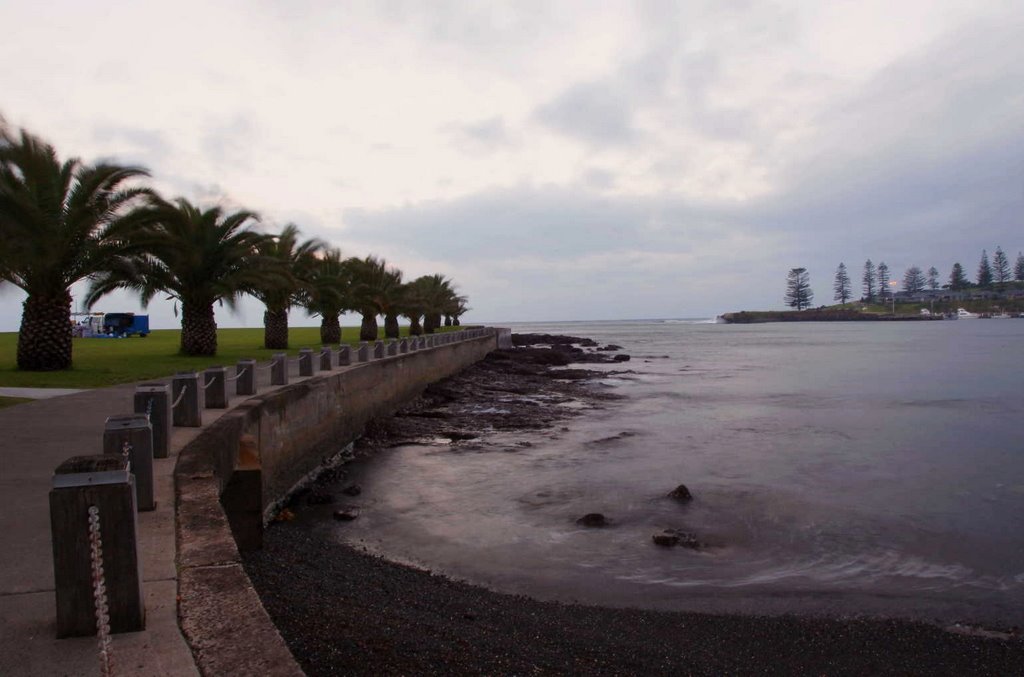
<point x="293" y="430"/>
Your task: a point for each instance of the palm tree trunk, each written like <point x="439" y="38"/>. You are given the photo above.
<point x="330" y="330"/>
<point x="447" y="320"/>
<point x="391" y="326"/>
<point x="455" y="321"/>
<point x="431" y="322"/>
<point x="198" y="329"/>
<point x="368" y="328"/>
<point x="275" y="329"/>
<point x="44" y="340"/>
<point x="415" y="328"/>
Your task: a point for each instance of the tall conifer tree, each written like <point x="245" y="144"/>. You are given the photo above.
<point x="841" y="286"/>
<point x="868" y="281"/>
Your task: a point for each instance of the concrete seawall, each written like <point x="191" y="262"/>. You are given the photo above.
<point x="254" y="456"/>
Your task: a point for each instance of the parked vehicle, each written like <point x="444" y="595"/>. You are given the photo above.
<point x="109" y="325"/>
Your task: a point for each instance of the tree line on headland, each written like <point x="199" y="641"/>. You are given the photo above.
<point x="66" y="221"/>
<point x="877" y="284"/>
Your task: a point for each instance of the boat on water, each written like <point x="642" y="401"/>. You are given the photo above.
<point x="962" y="314"/>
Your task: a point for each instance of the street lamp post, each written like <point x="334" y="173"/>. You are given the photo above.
<point x="892" y="295"/>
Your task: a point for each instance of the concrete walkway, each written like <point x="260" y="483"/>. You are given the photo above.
<point x="38" y="393"/>
<point x="36" y="437"/>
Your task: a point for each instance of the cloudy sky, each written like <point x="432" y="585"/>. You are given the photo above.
<point x="560" y="160"/>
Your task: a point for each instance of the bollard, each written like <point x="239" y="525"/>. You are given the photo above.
<point x="279" y="370"/>
<point x="392" y="348"/>
<point x="378" y="350"/>
<point x="185" y="406"/>
<point x="216" y="386"/>
<point x="154" y="400"/>
<point x="344" y="356"/>
<point x="403" y="346"/>
<point x="132" y="436"/>
<point x="325" y="358"/>
<point x="306" y="362"/>
<point x="245" y="377"/>
<point x="104" y="484"/>
<point x="363" y="354"/>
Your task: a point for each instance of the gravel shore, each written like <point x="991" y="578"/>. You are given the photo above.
<point x="343" y="611"/>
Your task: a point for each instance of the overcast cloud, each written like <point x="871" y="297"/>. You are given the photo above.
<point x="565" y="160"/>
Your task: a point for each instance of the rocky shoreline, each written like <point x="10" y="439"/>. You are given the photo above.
<point x="344" y="611"/>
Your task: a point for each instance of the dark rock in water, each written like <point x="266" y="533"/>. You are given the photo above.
<point x="352" y="490"/>
<point x="593" y="519"/>
<point x="318" y="497"/>
<point x="346" y="515"/>
<point x="621" y="358"/>
<point x="681" y="494"/>
<point x="676" y="537"/>
<point x="610" y="348"/>
<point x="457" y="436"/>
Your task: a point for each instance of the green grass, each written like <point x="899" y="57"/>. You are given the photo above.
<point x="11" y="401"/>
<point x="104" y="362"/>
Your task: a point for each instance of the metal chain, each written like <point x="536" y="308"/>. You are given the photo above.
<point x="149" y="408"/>
<point x="99" y="592"/>
<point x="180" y="396"/>
<point x="212" y="381"/>
<point x="126" y="450"/>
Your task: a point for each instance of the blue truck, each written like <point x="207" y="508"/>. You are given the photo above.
<point x="123" y="325"/>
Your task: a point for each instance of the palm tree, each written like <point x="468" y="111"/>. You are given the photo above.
<point x="328" y="294"/>
<point x="198" y="257"/>
<point x="297" y="260"/>
<point x="375" y="291"/>
<point x="414" y="305"/>
<point x="438" y="292"/>
<point x="459" y="308"/>
<point x="60" y="222"/>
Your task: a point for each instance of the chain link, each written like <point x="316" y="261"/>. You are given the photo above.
<point x="99" y="591"/>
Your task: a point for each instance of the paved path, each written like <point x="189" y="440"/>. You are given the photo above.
<point x="36" y="437"/>
<point x="38" y="393"/>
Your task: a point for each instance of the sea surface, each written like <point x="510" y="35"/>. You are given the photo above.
<point x="838" y="468"/>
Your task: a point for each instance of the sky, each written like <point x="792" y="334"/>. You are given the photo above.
<point x="560" y="160"/>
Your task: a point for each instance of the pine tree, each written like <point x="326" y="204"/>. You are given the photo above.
<point x="984" y="271"/>
<point x="933" y="278"/>
<point x="913" y="280"/>
<point x="1001" y="268"/>
<point x="868" y="281"/>
<point x="841" y="287"/>
<point x="798" y="289"/>
<point x="1018" y="269"/>
<point x="883" y="280"/>
<point x="957" y="278"/>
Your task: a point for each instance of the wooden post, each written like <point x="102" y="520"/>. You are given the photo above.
<point x="134" y="434"/>
<point x="344" y="356"/>
<point x="216" y="385"/>
<point x="104" y="482"/>
<point x="306" y="362"/>
<point x="245" y="383"/>
<point x="154" y="399"/>
<point x="364" y="352"/>
<point x="378" y="350"/>
<point x="186" y="412"/>
<point x="326" y="359"/>
<point x="392" y="347"/>
<point x="403" y="346"/>
<point x="279" y="370"/>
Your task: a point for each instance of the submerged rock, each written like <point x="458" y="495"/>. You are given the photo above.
<point x="346" y="515"/>
<point x="593" y="519"/>
<point x="621" y="358"/>
<point x="352" y="490"/>
<point x="681" y="494"/>
<point x="670" y="538"/>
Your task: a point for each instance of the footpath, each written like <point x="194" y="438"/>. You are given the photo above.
<point x="36" y="437"/>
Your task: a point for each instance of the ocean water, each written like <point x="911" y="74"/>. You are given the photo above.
<point x="841" y="469"/>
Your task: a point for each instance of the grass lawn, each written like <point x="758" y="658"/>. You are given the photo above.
<point x="104" y="362"/>
<point x="11" y="401"/>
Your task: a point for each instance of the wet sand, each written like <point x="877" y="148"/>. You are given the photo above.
<point x="343" y="611"/>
